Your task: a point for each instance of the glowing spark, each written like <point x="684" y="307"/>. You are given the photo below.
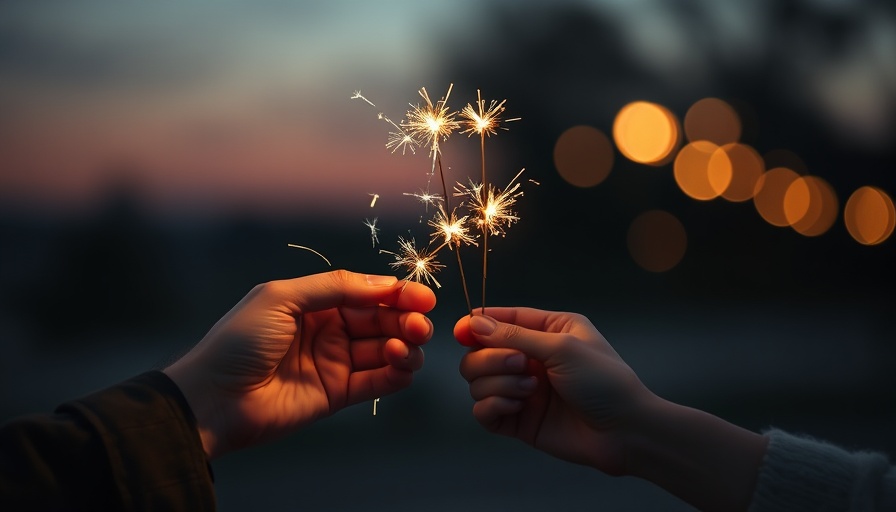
<point x="398" y="138"/>
<point x="312" y="250"/>
<point x="358" y="95"/>
<point x="421" y="265"/>
<point x="533" y="181"/>
<point x="452" y="229"/>
<point x="431" y="123"/>
<point x="373" y="201"/>
<point x="481" y="120"/>
<point x="494" y="207"/>
<point x="374" y="406"/>
<point x="425" y="197"/>
<point x="374" y="239"/>
<point x="402" y="140"/>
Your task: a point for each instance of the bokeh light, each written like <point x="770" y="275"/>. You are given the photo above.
<point x="810" y="205"/>
<point x="583" y="156"/>
<point x="657" y="240"/>
<point x="746" y="167"/>
<point x="694" y="174"/>
<point x="714" y="120"/>
<point x="869" y="215"/>
<point x="646" y="133"/>
<point x="770" y="191"/>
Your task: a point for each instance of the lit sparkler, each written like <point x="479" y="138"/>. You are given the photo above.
<point x="431" y="123"/>
<point x="485" y="122"/>
<point x="451" y="229"/>
<point x="493" y="208"/>
<point x="421" y="265"/>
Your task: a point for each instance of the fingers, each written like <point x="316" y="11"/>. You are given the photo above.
<point x="374" y="322"/>
<point x="343" y="288"/>
<point x="492" y="361"/>
<point x="491" y="411"/>
<point x="537" y="333"/>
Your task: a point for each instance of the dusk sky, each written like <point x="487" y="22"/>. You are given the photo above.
<point x="210" y="106"/>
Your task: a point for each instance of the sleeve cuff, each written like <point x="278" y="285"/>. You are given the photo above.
<point x="152" y="443"/>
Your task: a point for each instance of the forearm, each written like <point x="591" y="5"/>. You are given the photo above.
<point x="704" y="460"/>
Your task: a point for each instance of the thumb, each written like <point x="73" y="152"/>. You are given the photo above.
<point x="343" y="288"/>
<point x="488" y="332"/>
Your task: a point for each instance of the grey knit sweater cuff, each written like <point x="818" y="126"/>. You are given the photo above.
<point x="804" y="474"/>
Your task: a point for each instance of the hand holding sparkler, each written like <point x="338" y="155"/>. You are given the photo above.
<point x="553" y="381"/>
<point x="297" y="350"/>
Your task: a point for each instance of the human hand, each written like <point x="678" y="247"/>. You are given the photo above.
<point x="293" y="351"/>
<point x="553" y="381"/>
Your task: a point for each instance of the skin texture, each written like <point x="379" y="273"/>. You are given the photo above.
<point x="553" y="381"/>
<point x="294" y="351"/>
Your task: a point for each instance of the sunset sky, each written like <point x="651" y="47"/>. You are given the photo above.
<point x="212" y="106"/>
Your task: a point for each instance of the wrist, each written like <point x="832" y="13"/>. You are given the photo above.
<point x="193" y="389"/>
<point x="704" y="460"/>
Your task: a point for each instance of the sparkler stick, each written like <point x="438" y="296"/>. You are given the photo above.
<point x="483" y="121"/>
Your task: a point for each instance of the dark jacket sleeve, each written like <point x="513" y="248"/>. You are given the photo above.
<point x="133" y="446"/>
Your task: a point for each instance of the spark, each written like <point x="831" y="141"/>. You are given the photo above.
<point x="374" y="405"/>
<point x="374" y="239"/>
<point x="493" y="208"/>
<point x="398" y="139"/>
<point x="431" y="123"/>
<point x="402" y="140"/>
<point x="421" y="265"/>
<point x="312" y="250"/>
<point x="357" y="95"/>
<point x="533" y="181"/>
<point x="451" y="228"/>
<point x="481" y="120"/>
<point x="425" y="197"/>
<point x="373" y="201"/>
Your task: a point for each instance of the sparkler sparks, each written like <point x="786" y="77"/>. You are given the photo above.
<point x="451" y="228"/>
<point x="421" y="265"/>
<point x="493" y="208"/>
<point x="486" y="208"/>
<point x="374" y="239"/>
<point x="425" y="197"/>
<point x="312" y="250"/>
<point x="481" y="120"/>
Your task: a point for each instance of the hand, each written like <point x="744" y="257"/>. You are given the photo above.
<point x="297" y="350"/>
<point x="553" y="381"/>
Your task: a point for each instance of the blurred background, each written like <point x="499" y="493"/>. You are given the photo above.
<point x="710" y="182"/>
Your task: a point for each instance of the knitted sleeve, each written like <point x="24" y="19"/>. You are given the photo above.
<point x="804" y="474"/>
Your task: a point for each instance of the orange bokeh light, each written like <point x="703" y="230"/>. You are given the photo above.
<point x="714" y="120"/>
<point x="699" y="174"/>
<point x="770" y="191"/>
<point x="869" y="215"/>
<point x="583" y="156"/>
<point x="746" y="167"/>
<point x="810" y="205"/>
<point x="646" y="133"/>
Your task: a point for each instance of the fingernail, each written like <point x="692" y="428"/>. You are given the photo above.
<point x="528" y="384"/>
<point x="375" y="280"/>
<point x="515" y="362"/>
<point x="482" y="325"/>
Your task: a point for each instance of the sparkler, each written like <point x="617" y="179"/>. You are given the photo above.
<point x="485" y="122"/>
<point x="430" y="124"/>
<point x="420" y="264"/>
